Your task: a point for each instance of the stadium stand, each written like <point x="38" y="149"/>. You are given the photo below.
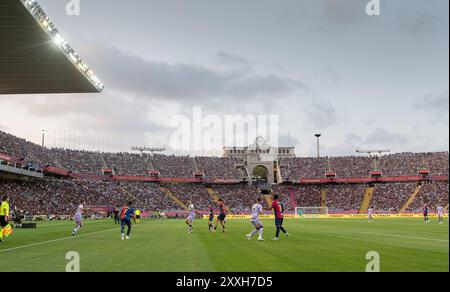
<point x="432" y="194"/>
<point x="218" y="168"/>
<point x="390" y="198"/>
<point x="60" y="196"/>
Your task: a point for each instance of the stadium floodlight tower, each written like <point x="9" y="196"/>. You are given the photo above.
<point x="318" y="144"/>
<point x="375" y="154"/>
<point x="151" y="150"/>
<point x="43" y="131"/>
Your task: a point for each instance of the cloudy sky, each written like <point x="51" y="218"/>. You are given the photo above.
<point x="320" y="65"/>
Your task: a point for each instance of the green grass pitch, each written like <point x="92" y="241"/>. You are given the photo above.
<point x="164" y="245"/>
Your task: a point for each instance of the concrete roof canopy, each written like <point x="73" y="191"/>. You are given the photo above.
<point x="34" y="56"/>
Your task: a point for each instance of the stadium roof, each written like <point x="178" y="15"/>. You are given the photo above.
<point x="35" y="58"/>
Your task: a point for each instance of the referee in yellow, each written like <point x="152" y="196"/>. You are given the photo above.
<point x="4" y="215"/>
<point x="137" y="212"/>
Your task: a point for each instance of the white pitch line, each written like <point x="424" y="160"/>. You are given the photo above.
<point x="407" y="237"/>
<point x="54" y="240"/>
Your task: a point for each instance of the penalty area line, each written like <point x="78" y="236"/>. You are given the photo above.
<point x="406" y="237"/>
<point x="54" y="240"/>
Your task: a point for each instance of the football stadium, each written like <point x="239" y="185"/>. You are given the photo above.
<point x="254" y="208"/>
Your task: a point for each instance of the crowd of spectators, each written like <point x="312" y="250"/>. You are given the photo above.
<point x="237" y="197"/>
<point x="174" y="166"/>
<point x="22" y="149"/>
<point x="391" y="197"/>
<point x="87" y="162"/>
<point x="431" y="194"/>
<point x="54" y="196"/>
<point x="304" y="196"/>
<point x="196" y="193"/>
<point x="128" y="163"/>
<point x="344" y="198"/>
<point x="403" y="164"/>
<point x="218" y="168"/>
<point x="60" y="197"/>
<point x="148" y="196"/>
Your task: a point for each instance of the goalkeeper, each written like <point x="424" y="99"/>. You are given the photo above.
<point x="4" y="216"/>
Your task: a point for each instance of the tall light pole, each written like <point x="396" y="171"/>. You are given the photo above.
<point x="318" y="144"/>
<point x="43" y="131"/>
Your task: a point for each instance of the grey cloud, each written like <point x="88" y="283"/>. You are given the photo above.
<point x="353" y="139"/>
<point x="340" y="14"/>
<point x="434" y="101"/>
<point x="384" y="138"/>
<point x="107" y="112"/>
<point x="436" y="105"/>
<point x="418" y="23"/>
<point x="183" y="82"/>
<point x="322" y="115"/>
<point x="285" y="140"/>
<point x="232" y="59"/>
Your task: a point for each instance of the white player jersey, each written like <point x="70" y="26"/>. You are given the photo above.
<point x="440" y="210"/>
<point x="256" y="210"/>
<point x="191" y="209"/>
<point x="370" y="211"/>
<point x="80" y="209"/>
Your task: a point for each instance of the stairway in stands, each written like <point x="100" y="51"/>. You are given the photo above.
<point x="195" y="164"/>
<point x="293" y="200"/>
<point x="105" y="165"/>
<point x="269" y="200"/>
<point x="148" y="163"/>
<point x="213" y="194"/>
<point x="136" y="199"/>
<point x="174" y="198"/>
<point x="368" y="194"/>
<point x="411" y="199"/>
<point x="323" y="196"/>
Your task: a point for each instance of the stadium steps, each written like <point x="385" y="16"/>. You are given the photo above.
<point x="446" y="207"/>
<point x="269" y="200"/>
<point x="174" y="198"/>
<point x="102" y="159"/>
<point x="213" y="194"/>
<point x="368" y="194"/>
<point x="293" y="200"/>
<point x="128" y="193"/>
<point x="195" y="164"/>
<point x="411" y="199"/>
<point x="323" y="195"/>
<point x="150" y="163"/>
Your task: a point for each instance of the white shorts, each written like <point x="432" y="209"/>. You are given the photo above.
<point x="190" y="218"/>
<point x="78" y="218"/>
<point x="441" y="214"/>
<point x="257" y="223"/>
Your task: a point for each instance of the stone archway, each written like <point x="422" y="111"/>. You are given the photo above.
<point x="261" y="169"/>
<point x="260" y="172"/>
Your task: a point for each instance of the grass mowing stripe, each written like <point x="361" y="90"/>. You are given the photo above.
<point x="54" y="240"/>
<point x="406" y="237"/>
<point x="164" y="245"/>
